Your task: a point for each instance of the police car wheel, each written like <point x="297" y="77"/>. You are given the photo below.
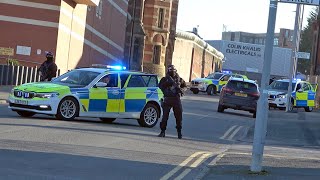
<point x="108" y="120"/>
<point x="308" y="109"/>
<point x="149" y="116"/>
<point x="195" y="91"/>
<point x="26" y="113"/>
<point x="211" y="90"/>
<point x="68" y="109"/>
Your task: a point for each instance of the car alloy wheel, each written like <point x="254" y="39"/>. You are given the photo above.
<point x="68" y="109"/>
<point x="150" y="116"/>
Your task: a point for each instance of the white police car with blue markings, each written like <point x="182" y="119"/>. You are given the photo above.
<point x="105" y="92"/>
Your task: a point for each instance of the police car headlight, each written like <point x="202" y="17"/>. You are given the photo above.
<point x="46" y="95"/>
<point x="282" y="96"/>
<point x="12" y="91"/>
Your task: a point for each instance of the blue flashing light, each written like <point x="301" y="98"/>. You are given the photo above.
<point x="226" y="72"/>
<point x="295" y="79"/>
<point x="119" y="68"/>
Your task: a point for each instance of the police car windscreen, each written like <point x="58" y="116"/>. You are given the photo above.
<point x="242" y="86"/>
<point x="214" y="76"/>
<point x="281" y="85"/>
<point x="76" y="78"/>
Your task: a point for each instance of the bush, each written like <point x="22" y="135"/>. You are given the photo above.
<point x="13" y="62"/>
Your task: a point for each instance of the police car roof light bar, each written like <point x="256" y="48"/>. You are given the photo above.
<point x="109" y="67"/>
<point x="227" y="72"/>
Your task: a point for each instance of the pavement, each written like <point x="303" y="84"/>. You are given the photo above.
<point x="4" y="93"/>
<point x="292" y="151"/>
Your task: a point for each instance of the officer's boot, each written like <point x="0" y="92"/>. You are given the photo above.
<point x="162" y="134"/>
<point x="179" y="134"/>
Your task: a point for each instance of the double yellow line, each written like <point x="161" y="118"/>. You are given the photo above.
<point x="201" y="157"/>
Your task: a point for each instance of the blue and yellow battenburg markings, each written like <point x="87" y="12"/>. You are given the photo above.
<point x="116" y="99"/>
<point x="219" y="84"/>
<point x="304" y="99"/>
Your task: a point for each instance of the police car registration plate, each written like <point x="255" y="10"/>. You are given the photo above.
<point x="23" y="102"/>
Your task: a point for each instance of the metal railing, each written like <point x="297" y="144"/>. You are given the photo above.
<point x="17" y="75"/>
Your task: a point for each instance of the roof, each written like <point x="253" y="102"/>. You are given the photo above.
<point x="287" y="80"/>
<point x="242" y="79"/>
<point x="103" y="70"/>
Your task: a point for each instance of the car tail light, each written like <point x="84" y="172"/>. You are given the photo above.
<point x="228" y="90"/>
<point x="255" y="94"/>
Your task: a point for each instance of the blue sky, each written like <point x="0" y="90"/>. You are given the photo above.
<point x="237" y="15"/>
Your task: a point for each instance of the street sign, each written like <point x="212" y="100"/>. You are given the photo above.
<point x="6" y="51"/>
<point x="303" y="55"/>
<point x="307" y="2"/>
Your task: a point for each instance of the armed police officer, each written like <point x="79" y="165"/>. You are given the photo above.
<point x="172" y="87"/>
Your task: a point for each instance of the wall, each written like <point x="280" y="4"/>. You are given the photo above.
<point x="32" y="24"/>
<point x="78" y="35"/>
<point x="193" y="57"/>
<point x="85" y="38"/>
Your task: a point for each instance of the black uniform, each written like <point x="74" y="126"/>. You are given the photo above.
<point x="172" y="88"/>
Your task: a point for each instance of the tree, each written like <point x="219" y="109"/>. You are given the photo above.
<point x="306" y="42"/>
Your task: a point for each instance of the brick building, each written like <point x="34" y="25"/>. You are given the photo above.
<point x="151" y="34"/>
<point x="282" y="39"/>
<point x="78" y="32"/>
<point x="195" y="58"/>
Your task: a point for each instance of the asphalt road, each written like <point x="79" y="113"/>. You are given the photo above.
<point x="45" y="148"/>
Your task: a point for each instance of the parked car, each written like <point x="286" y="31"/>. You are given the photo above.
<point x="105" y="93"/>
<point x="213" y="83"/>
<point x="239" y="94"/>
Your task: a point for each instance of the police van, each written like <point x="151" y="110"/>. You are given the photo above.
<point x="105" y="92"/>
<point x="213" y="83"/>
<point x="303" y="94"/>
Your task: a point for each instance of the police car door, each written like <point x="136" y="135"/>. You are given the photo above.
<point x="135" y="95"/>
<point x="301" y="95"/>
<point x="311" y="94"/>
<point x="223" y="81"/>
<point x="105" y="101"/>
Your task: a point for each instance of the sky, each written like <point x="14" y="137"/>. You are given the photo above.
<point x="236" y="15"/>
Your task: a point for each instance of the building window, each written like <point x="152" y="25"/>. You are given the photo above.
<point x="291" y="38"/>
<point x="287" y="33"/>
<point x="232" y="36"/>
<point x="156" y="54"/>
<point x="260" y="41"/>
<point x="160" y="18"/>
<point x="276" y="42"/>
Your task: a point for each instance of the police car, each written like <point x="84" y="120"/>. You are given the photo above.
<point x="104" y="92"/>
<point x="213" y="83"/>
<point x="303" y="94"/>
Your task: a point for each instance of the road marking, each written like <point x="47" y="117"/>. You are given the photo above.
<point x="235" y="132"/>
<point x="181" y="165"/>
<point x="228" y="132"/>
<point x="199" y="161"/>
<point x="183" y="174"/>
<point x="194" y="114"/>
<point x="193" y="165"/>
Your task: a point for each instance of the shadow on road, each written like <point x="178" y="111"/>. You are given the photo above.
<point x="44" y="165"/>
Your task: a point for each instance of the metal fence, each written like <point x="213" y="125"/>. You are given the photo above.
<point x="16" y="75"/>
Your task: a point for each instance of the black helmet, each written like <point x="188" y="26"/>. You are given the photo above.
<point x="49" y="54"/>
<point x="172" y="68"/>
